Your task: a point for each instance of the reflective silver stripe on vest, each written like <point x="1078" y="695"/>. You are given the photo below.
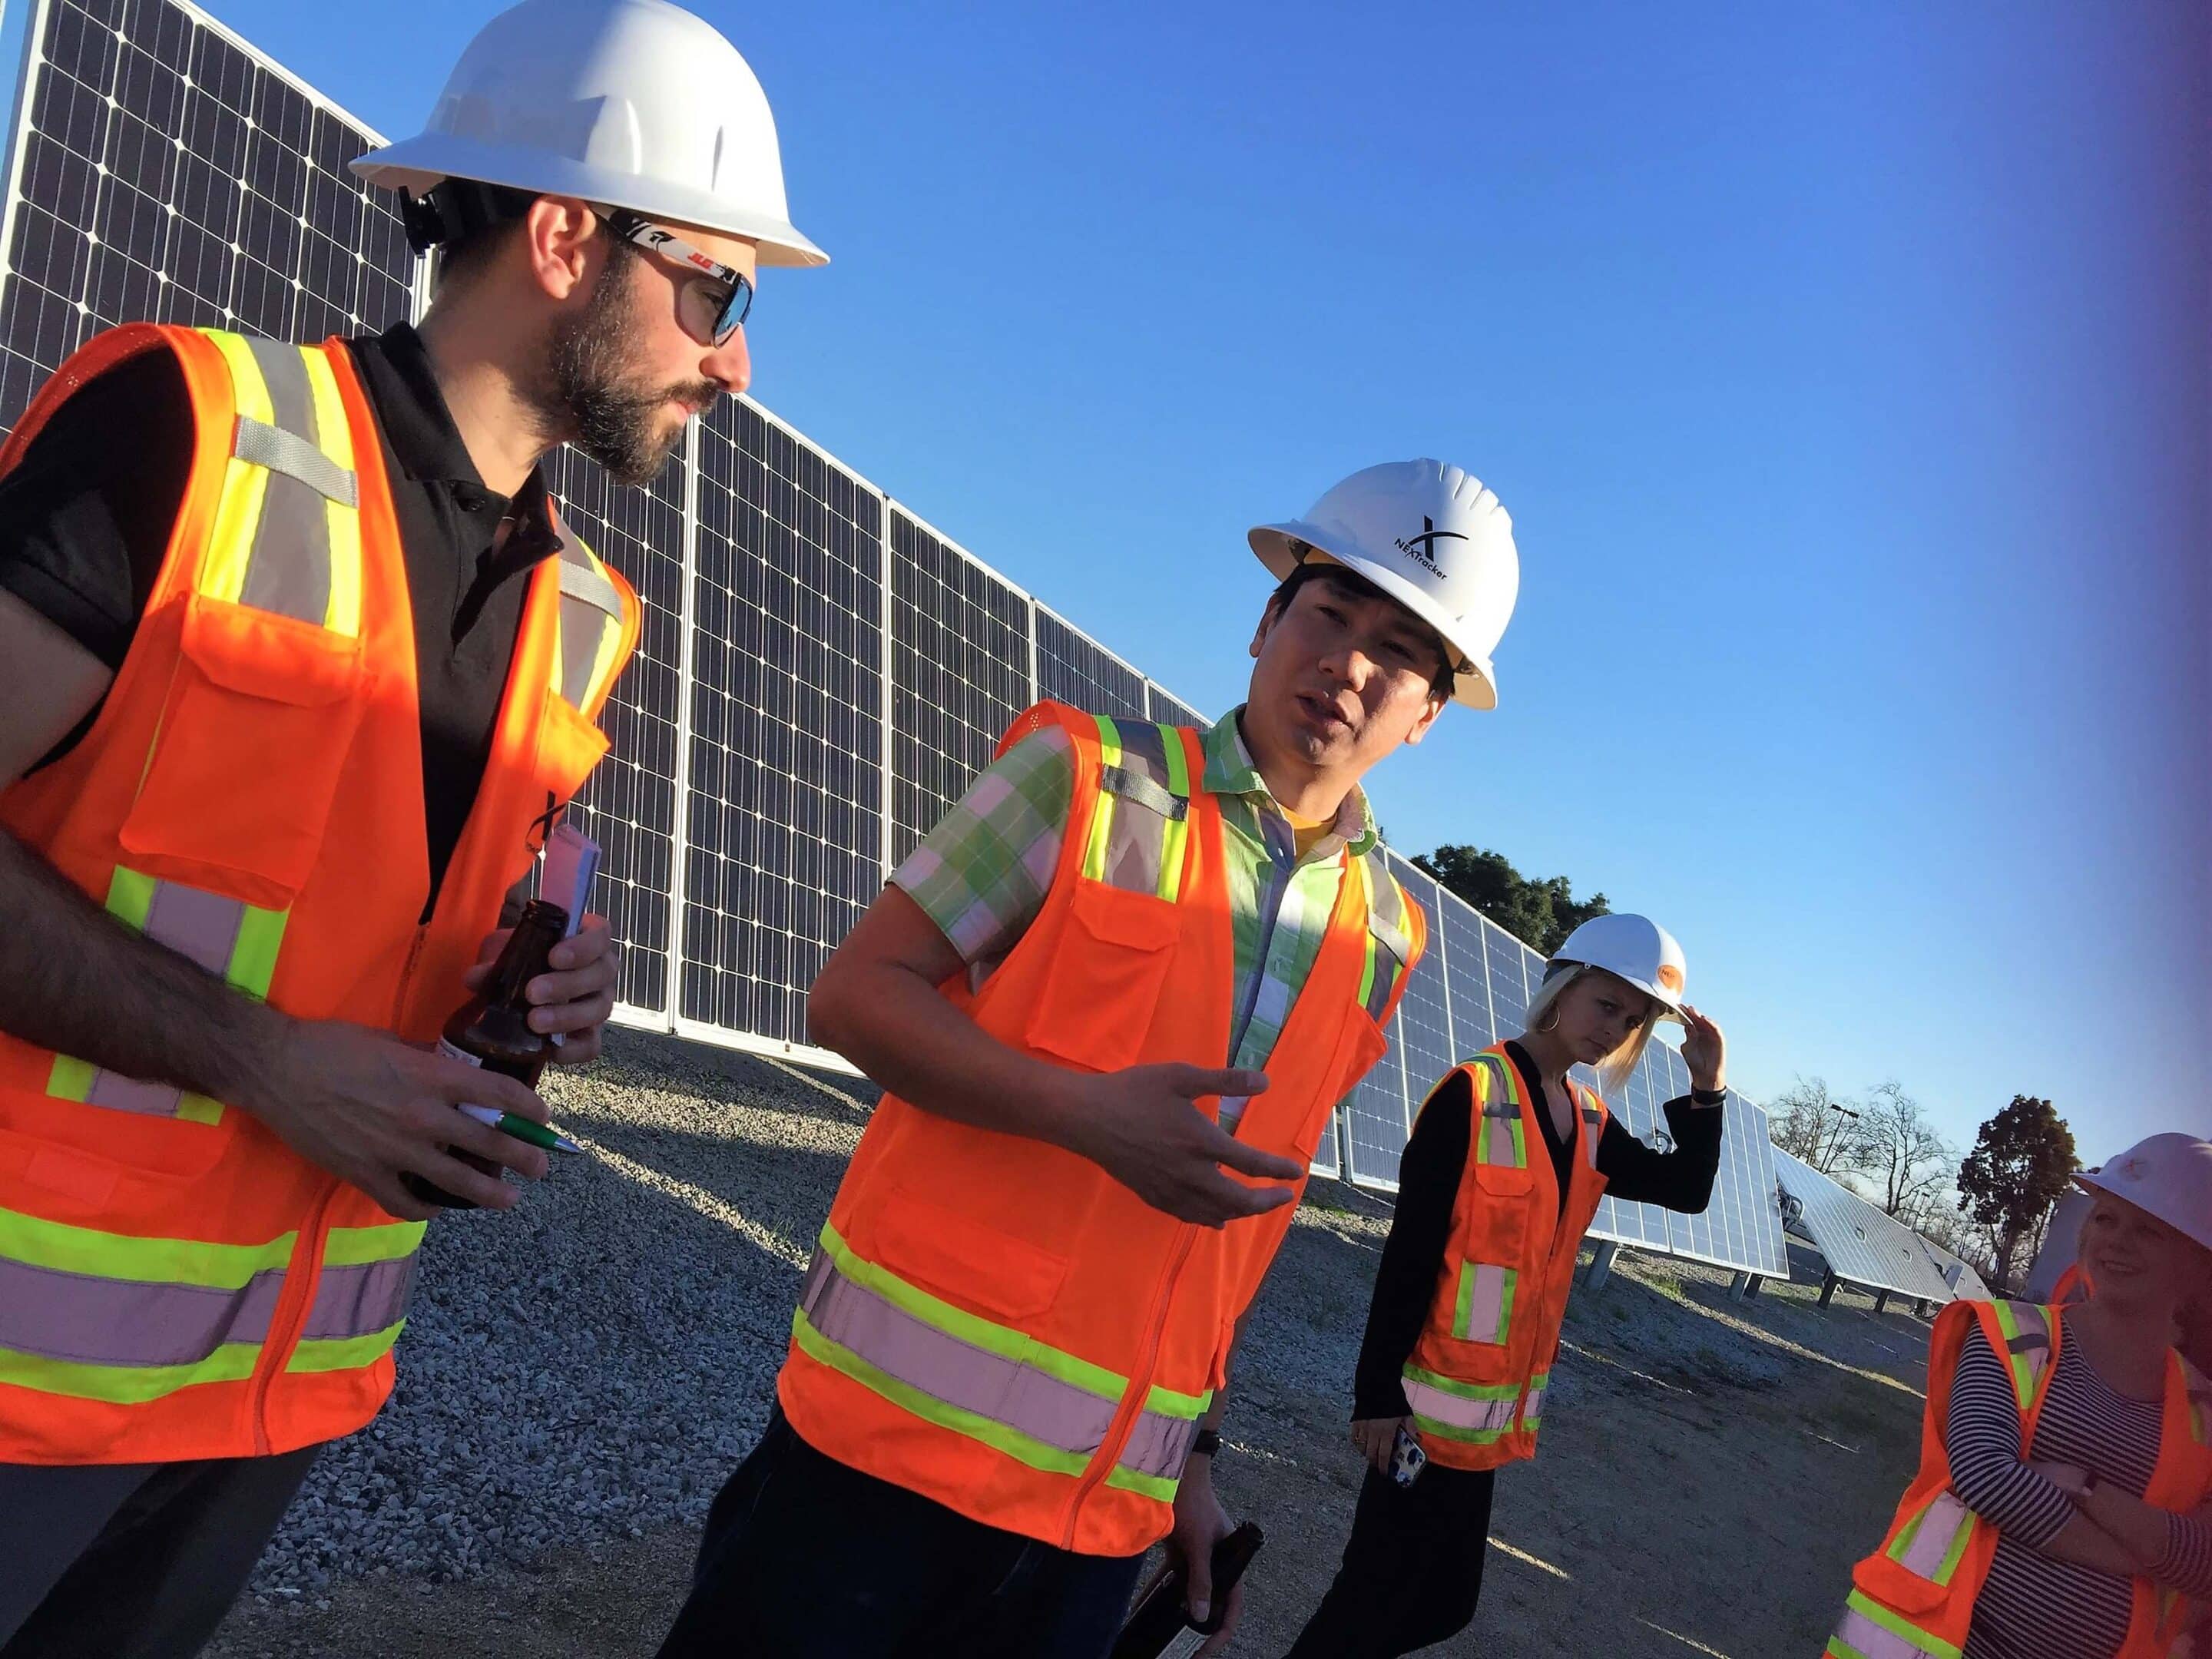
<point x="1022" y="1398"/>
<point x="360" y="1300"/>
<point x="290" y="570"/>
<point x="1486" y="1304"/>
<point x="590" y="605"/>
<point x="92" y="1320"/>
<point x="201" y="927"/>
<point x="1457" y="1411"/>
<point x="1879" y="1641"/>
<point x="1939" y="1529"/>
<point x="1535" y="1408"/>
<point x="1501" y="1114"/>
<point x="1134" y="786"/>
<point x="1592" y="1127"/>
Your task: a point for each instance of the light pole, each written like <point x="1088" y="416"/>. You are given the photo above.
<point x="1836" y="1145"/>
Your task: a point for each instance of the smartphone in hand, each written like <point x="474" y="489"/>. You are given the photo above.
<point x="1406" y="1458"/>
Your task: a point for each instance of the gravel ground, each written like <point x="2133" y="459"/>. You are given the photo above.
<point x="579" y="1375"/>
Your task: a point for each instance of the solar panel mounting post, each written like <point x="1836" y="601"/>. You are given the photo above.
<point x="1600" y="1267"/>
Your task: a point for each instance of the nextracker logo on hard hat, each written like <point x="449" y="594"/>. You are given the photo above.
<point x="1418" y="548"/>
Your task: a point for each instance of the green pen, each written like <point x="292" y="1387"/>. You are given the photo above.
<point x="521" y="1128"/>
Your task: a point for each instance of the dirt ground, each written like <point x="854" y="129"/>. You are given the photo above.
<point x="1707" y="1473"/>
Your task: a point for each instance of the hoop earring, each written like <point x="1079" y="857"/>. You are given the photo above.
<point x="1551" y="1021"/>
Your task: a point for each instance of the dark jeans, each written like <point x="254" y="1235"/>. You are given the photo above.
<point x="805" y="1555"/>
<point x="132" y="1560"/>
<point x="1411" y="1570"/>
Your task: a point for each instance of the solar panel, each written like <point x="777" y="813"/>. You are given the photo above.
<point x="1860" y="1244"/>
<point x="1170" y="710"/>
<point x="161" y="170"/>
<point x="1375" y="1122"/>
<point x="960" y="673"/>
<point x="629" y="806"/>
<point x="1074" y="669"/>
<point x="785" y="842"/>
<point x="821" y="673"/>
<point x="1958" y="1273"/>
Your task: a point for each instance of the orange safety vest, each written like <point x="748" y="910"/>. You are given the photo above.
<point x="175" y="1282"/>
<point x="1477" y="1377"/>
<point x="999" y="1325"/>
<point x="1914" y="1597"/>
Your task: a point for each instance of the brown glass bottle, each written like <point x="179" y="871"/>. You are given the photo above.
<point x="492" y="1028"/>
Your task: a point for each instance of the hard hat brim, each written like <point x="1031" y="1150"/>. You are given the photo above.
<point x="418" y="164"/>
<point x="1670" y="1002"/>
<point x="2195" y="1230"/>
<point x="1279" y="547"/>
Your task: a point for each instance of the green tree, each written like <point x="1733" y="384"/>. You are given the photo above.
<point x="2020" y="1163"/>
<point x="1539" y="912"/>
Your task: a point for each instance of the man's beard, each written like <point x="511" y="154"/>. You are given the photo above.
<point x="593" y="399"/>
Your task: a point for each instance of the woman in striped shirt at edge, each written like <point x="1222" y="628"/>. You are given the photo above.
<point x="2073" y="1531"/>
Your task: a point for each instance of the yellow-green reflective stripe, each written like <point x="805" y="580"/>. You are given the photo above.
<point x="42" y="1244"/>
<point x="1002" y="1340"/>
<point x="1145" y="1485"/>
<point x="125" y="1385"/>
<point x="1465" y="1390"/>
<point x="2023" y="1378"/>
<point x="345" y="1353"/>
<point x="1464" y="1309"/>
<point x="253" y="958"/>
<point x="1873" y="1613"/>
<point x="130" y="896"/>
<point x="1452" y="1432"/>
<point x="350" y="1247"/>
<point x="71" y="1078"/>
<point x="1176" y="840"/>
<point x="198" y="1108"/>
<point x="1839" y="1649"/>
<point x="1367" y="972"/>
<point x="1167" y="1402"/>
<point x="1102" y="813"/>
<point x="1051" y="1460"/>
<point x="1957" y="1552"/>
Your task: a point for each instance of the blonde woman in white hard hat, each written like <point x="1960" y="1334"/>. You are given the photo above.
<point x="2065" y="1499"/>
<point x="344" y="741"/>
<point x="1498" y="1184"/>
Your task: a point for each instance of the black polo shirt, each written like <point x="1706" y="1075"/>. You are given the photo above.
<point x="85" y="521"/>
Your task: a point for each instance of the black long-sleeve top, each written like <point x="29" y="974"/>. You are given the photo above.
<point x="1429" y="1176"/>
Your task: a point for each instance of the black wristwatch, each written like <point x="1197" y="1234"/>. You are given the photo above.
<point x="1708" y="1096"/>
<point x="1207" y="1443"/>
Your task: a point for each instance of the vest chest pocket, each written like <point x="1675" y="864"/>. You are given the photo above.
<point x="255" y="733"/>
<point x="1104" y="982"/>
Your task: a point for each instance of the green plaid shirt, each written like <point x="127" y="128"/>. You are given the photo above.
<point x="982" y="875"/>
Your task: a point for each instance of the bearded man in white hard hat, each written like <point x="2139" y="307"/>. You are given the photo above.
<point x="1113" y="999"/>
<point x="300" y="668"/>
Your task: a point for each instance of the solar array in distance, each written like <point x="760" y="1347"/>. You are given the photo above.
<point x="1862" y="1245"/>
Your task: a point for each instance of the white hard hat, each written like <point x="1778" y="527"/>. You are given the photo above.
<point x="1431" y="537"/>
<point x="1635" y="948"/>
<point x="2168" y="1176"/>
<point x="632" y="104"/>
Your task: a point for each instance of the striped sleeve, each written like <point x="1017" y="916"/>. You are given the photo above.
<point x="2187" y="1564"/>
<point x="1989" y="1470"/>
<point x="981" y="874"/>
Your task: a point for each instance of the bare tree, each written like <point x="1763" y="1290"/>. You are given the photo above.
<point x="1808" y="1122"/>
<point x="1907" y="1157"/>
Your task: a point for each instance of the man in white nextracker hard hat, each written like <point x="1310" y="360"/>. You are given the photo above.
<point x="1112" y="999"/>
<point x="288" y="715"/>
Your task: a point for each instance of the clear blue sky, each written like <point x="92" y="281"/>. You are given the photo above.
<point x="1845" y="369"/>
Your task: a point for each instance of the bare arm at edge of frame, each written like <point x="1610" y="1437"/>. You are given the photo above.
<point x="359" y="1102"/>
<point x="877" y="1002"/>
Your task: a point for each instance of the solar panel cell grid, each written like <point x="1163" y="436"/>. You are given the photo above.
<point x="784" y="844"/>
<point x="1074" y="669"/>
<point x="960" y="673"/>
